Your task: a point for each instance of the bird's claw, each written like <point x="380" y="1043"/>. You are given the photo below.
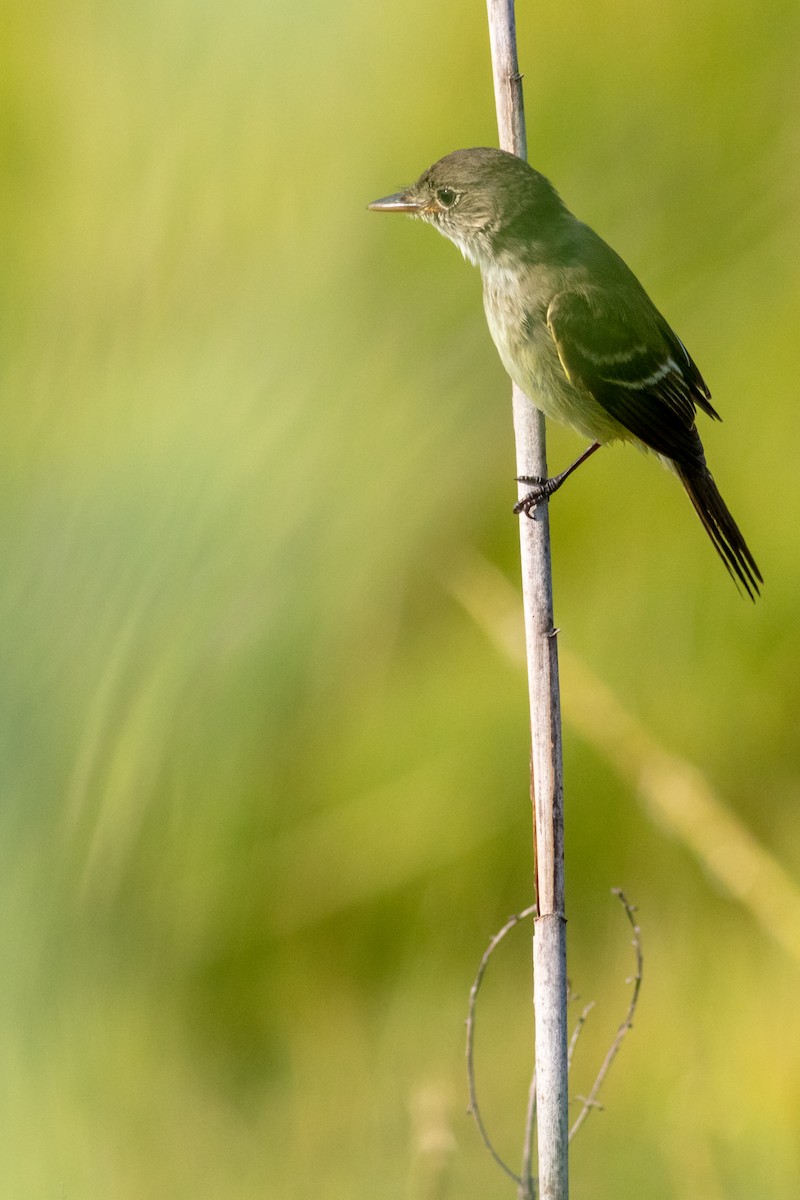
<point x="528" y="504"/>
<point x="532" y="499"/>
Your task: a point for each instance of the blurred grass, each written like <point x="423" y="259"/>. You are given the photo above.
<point x="264" y="781"/>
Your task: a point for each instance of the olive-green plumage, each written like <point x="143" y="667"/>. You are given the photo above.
<point x="574" y="328"/>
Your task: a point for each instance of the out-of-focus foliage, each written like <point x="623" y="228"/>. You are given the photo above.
<point x="264" y="781"/>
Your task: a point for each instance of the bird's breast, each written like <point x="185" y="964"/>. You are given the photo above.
<point x="516" y="312"/>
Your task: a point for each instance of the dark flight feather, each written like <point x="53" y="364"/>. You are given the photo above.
<point x="652" y="387"/>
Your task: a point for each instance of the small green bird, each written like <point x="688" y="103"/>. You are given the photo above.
<point x="575" y="329"/>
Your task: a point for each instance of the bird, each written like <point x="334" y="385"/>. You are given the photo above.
<point x="574" y="328"/>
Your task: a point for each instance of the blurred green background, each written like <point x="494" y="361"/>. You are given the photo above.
<point x="264" y="776"/>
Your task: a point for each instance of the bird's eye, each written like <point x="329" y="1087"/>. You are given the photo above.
<point x="446" y="197"/>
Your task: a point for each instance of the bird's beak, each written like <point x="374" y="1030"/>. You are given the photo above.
<point x="401" y="202"/>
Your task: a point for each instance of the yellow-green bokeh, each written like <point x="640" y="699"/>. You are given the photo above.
<point x="264" y="781"/>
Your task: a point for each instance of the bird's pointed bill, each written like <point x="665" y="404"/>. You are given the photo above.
<point x="402" y="202"/>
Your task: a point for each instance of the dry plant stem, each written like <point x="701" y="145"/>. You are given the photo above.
<point x="550" y="974"/>
<point x="508" y="100"/>
<point x="550" y="1003"/>
<point x="673" y="791"/>
<point x="590" y="1101"/>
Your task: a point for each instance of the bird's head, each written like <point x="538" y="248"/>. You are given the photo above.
<point x="481" y="199"/>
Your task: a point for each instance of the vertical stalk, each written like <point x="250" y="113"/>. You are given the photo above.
<point x="547" y="794"/>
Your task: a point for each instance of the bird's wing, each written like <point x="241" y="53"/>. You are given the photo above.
<point x="643" y="377"/>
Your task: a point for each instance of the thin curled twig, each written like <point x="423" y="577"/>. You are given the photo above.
<point x="474" y="1108"/>
<point x="526" y="1183"/>
<point x="576" y="1033"/>
<point x="591" y="1101"/>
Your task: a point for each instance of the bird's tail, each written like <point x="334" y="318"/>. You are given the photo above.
<point x="721" y="527"/>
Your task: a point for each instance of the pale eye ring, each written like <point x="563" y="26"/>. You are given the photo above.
<point x="446" y="197"/>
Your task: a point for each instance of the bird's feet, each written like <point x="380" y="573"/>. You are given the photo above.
<point x="541" y="490"/>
